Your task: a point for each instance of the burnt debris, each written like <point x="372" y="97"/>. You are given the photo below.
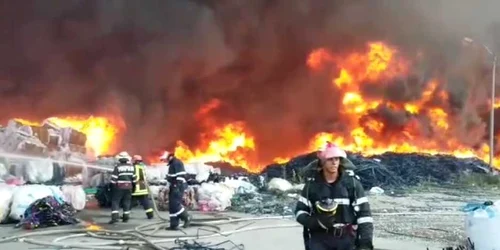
<point x="391" y="169"/>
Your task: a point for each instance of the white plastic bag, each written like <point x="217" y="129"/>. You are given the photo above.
<point x="376" y="191"/>
<point x="214" y="196"/>
<point x="75" y="195"/>
<point x="26" y="195"/>
<point x="6" y="193"/>
<point x="280" y="185"/>
<point x="156" y="174"/>
<point x="39" y="171"/>
<point x="200" y="169"/>
<point x="3" y="170"/>
<point x="155" y="190"/>
<point x="482" y="227"/>
<point x="240" y="186"/>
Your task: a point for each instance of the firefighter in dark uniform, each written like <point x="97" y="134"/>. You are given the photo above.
<point x="176" y="178"/>
<point x="122" y="180"/>
<point x="140" y="191"/>
<point x="333" y="208"/>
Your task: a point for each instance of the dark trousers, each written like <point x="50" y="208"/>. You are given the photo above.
<point x="328" y="241"/>
<point x="123" y="197"/>
<point x="175" y="207"/>
<point x="145" y="202"/>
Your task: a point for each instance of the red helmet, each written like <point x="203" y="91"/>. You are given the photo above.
<point x="137" y="158"/>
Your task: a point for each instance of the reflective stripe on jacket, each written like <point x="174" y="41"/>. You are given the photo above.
<point x="140" y="185"/>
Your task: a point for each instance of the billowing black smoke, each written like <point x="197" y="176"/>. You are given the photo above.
<point x="155" y="62"/>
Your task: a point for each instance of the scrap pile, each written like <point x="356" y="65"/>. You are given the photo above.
<point x="46" y="212"/>
<point x="35" y="206"/>
<point x="33" y="153"/>
<point x="263" y="203"/>
<point x="392" y="169"/>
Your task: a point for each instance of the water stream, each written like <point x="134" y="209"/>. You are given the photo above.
<point x="62" y="163"/>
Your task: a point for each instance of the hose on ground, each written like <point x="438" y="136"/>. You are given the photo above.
<point x="139" y="236"/>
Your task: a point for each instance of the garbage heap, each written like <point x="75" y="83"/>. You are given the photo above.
<point x="40" y="154"/>
<point x="390" y="170"/>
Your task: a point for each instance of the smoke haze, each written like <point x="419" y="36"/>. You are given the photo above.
<point x="156" y="62"/>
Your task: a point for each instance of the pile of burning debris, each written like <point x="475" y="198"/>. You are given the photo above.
<point x="391" y="169"/>
<point x="35" y="153"/>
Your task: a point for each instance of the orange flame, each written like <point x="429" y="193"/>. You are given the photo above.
<point x="368" y="135"/>
<point x="100" y="131"/>
<point x="229" y="143"/>
<point x="378" y="64"/>
<point x="93" y="227"/>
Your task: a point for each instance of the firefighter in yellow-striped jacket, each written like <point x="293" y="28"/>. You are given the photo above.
<point x="140" y="191"/>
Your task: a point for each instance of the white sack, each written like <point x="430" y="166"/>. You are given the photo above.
<point x="299" y="187"/>
<point x="155" y="190"/>
<point x="75" y="195"/>
<point x="376" y="191"/>
<point x="156" y="173"/>
<point x="214" y="196"/>
<point x="26" y="195"/>
<point x="240" y="186"/>
<point x="6" y="193"/>
<point x="279" y="184"/>
<point x="3" y="170"/>
<point x="39" y="171"/>
<point x="200" y="169"/>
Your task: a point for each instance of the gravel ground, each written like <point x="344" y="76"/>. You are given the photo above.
<point x="435" y="212"/>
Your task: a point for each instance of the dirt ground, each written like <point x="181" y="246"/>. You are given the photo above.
<point x="421" y="218"/>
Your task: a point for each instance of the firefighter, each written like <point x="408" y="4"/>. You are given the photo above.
<point x="176" y="177"/>
<point x="122" y="181"/>
<point x="140" y="191"/>
<point x="333" y="208"/>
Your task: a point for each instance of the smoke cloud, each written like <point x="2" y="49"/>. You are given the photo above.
<point x="156" y="62"/>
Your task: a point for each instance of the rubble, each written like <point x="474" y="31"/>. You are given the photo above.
<point x="48" y="212"/>
<point x="263" y="203"/>
<point x="390" y="169"/>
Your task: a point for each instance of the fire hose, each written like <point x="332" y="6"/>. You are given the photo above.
<point x="120" y="239"/>
<point x="139" y="236"/>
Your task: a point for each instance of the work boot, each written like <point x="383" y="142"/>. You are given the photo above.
<point x="174" y="224"/>
<point x="186" y="218"/>
<point x="172" y="228"/>
<point x="126" y="217"/>
<point x="114" y="218"/>
<point x="150" y="215"/>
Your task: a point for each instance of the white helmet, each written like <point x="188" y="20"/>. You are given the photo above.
<point x="123" y="156"/>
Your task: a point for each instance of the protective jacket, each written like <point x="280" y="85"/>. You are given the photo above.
<point x="353" y="207"/>
<point x="140" y="180"/>
<point x="123" y="176"/>
<point x="176" y="172"/>
<point x="177" y="178"/>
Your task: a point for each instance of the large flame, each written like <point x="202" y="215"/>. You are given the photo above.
<point x="366" y="134"/>
<point x="229" y="143"/>
<point x="364" y="131"/>
<point x="101" y="132"/>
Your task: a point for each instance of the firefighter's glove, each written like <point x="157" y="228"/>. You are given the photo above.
<point x="312" y="223"/>
<point x="326" y="220"/>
